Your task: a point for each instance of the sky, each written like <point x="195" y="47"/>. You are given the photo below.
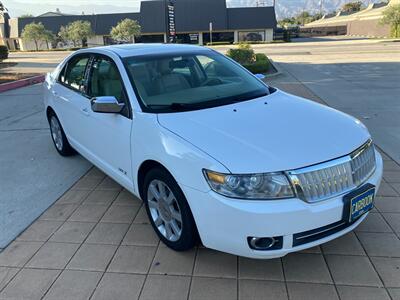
<point x="37" y="7"/>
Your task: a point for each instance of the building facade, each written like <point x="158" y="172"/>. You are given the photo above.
<point x="193" y="18"/>
<point x="366" y="22"/>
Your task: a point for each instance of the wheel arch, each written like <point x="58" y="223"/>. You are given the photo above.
<point x="49" y="110"/>
<point x="145" y="167"/>
<point x="148" y="165"/>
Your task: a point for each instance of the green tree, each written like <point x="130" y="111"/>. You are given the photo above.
<point x="352" y="7"/>
<point x="288" y="22"/>
<point x="317" y="16"/>
<point x="49" y="38"/>
<point x="304" y="18"/>
<point x="126" y="30"/>
<point x="64" y="34"/>
<point x="36" y="32"/>
<point x="26" y="16"/>
<point x="391" y="16"/>
<point x="78" y="31"/>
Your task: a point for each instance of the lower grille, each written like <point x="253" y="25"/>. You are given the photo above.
<point x="333" y="178"/>
<point x="319" y="233"/>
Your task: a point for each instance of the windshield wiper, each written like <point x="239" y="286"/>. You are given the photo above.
<point x="176" y="106"/>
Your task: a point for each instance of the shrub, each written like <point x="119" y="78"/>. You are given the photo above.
<point x="218" y="43"/>
<point x="261" y="57"/>
<point x="3" y="52"/>
<point x="258" y="67"/>
<point x="244" y="54"/>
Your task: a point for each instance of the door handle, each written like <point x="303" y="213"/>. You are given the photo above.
<point x="54" y="93"/>
<point x="85" y="111"/>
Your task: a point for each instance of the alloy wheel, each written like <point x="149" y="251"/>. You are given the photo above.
<point x="164" y="210"/>
<point x="56" y="133"/>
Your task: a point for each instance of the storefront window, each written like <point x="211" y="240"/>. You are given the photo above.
<point x="189" y="38"/>
<point x="219" y="37"/>
<point x="253" y="36"/>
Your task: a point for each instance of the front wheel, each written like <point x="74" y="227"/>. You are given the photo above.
<point x="168" y="210"/>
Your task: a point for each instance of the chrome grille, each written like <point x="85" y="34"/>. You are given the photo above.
<point x="363" y="164"/>
<point x="326" y="180"/>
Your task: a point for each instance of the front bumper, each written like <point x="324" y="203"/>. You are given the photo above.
<point x="224" y="223"/>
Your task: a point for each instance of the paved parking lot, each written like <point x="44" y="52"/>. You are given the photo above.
<point x="359" y="77"/>
<point x="95" y="241"/>
<point x="32" y="174"/>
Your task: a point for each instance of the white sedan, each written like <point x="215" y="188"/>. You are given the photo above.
<point x="214" y="153"/>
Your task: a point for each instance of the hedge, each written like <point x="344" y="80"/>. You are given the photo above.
<point x="219" y="43"/>
<point x="3" y="52"/>
<point x="261" y="57"/>
<point x="257" y="63"/>
<point x="258" y="67"/>
<point x="244" y="54"/>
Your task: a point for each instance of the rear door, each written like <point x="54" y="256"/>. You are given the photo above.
<point x="70" y="99"/>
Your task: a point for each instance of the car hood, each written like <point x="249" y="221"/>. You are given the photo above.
<point x="277" y="132"/>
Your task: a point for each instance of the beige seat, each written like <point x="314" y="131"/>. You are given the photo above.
<point x="110" y="82"/>
<point x="169" y="82"/>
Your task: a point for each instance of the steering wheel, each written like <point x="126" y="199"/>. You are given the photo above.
<point x="211" y="82"/>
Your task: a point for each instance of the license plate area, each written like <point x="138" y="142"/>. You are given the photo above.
<point x="358" y="202"/>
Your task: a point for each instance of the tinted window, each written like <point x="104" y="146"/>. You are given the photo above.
<point x="105" y="80"/>
<point x="74" y="74"/>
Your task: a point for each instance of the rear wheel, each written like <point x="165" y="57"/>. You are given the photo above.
<point x="168" y="210"/>
<point x="58" y="136"/>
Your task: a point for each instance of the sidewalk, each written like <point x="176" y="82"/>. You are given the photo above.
<point x="96" y="241"/>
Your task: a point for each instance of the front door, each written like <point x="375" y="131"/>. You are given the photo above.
<point x="107" y="135"/>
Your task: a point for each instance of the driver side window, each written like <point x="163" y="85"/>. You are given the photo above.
<point x="105" y="80"/>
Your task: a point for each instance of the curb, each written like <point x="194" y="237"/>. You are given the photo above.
<point x="21" y="83"/>
<point x="278" y="70"/>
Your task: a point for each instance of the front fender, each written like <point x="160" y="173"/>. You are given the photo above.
<point x="184" y="161"/>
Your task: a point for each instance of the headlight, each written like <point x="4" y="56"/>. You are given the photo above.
<point x="254" y="186"/>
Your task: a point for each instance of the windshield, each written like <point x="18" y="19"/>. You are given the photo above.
<point x="187" y="81"/>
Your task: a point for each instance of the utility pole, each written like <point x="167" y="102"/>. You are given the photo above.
<point x="211" y="29"/>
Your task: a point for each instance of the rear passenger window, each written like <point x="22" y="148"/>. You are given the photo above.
<point x="74" y="73"/>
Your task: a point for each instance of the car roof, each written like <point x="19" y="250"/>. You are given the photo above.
<point x="128" y="50"/>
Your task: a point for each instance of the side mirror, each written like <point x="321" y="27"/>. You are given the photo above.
<point x="260" y="76"/>
<point x="106" y="104"/>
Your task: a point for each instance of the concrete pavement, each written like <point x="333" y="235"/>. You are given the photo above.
<point x="32" y="174"/>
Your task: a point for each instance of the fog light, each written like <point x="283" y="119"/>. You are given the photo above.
<point x="265" y="243"/>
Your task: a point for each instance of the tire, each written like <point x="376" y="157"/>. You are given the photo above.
<point x="164" y="212"/>
<point x="58" y="136"/>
